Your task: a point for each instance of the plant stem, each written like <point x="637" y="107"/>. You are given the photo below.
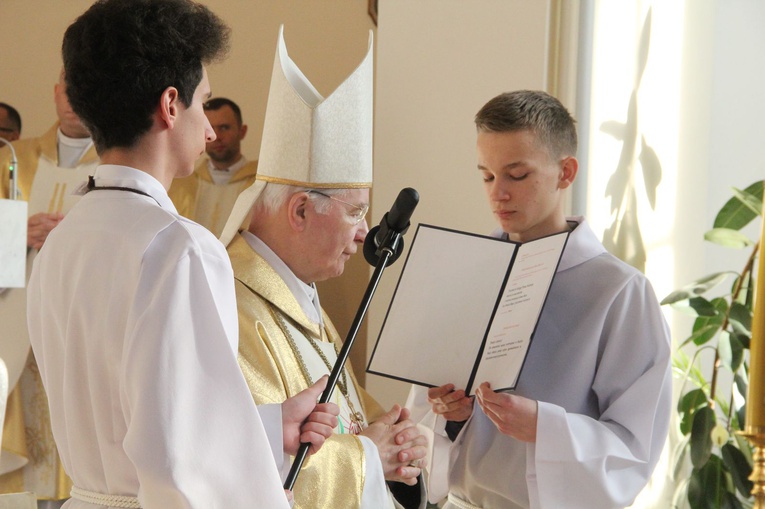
<point x="747" y="270"/>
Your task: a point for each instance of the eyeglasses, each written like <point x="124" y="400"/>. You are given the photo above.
<point x="359" y="211"/>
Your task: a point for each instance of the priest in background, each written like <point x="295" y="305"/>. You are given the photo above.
<point x="208" y="195"/>
<point x="10" y="122"/>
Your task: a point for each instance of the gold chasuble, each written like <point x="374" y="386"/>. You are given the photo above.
<point x="276" y="368"/>
<point x="29" y="459"/>
<point x="200" y="199"/>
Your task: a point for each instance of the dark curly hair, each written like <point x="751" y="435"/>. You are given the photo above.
<point x="121" y="55"/>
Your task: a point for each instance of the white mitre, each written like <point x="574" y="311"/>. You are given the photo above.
<point x="308" y="140"/>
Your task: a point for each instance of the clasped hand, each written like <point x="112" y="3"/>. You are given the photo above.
<point x="401" y="446"/>
<point x="513" y="415"/>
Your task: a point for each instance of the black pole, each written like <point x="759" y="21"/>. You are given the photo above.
<point x="342" y="356"/>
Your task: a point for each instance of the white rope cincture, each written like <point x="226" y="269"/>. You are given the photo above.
<point x="103" y="499"/>
<point x="454" y="499"/>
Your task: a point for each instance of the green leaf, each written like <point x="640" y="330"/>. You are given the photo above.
<point x="737" y="352"/>
<point x="704" y="329"/>
<point x="741" y="414"/>
<point x="735" y="214"/>
<point x="730" y="501"/>
<point x="744" y="339"/>
<point x="687" y="406"/>
<point x="744" y="290"/>
<point x="749" y="200"/>
<point x="739" y="469"/>
<point x="692" y="401"/>
<point x="702" y="306"/>
<point x="744" y="447"/>
<point x="686" y="422"/>
<point x="725" y="350"/>
<point x="701" y="438"/>
<point x="740" y="317"/>
<point x="728" y="238"/>
<point x="741" y="385"/>
<point x="706" y="486"/>
<point x="698" y="287"/>
<point x="749" y="289"/>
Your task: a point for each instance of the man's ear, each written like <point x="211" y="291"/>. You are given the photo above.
<point x="169" y="103"/>
<point x="297" y="210"/>
<point x="243" y="131"/>
<point x="569" y="166"/>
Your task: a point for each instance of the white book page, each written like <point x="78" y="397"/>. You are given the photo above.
<point x="13" y="244"/>
<point x="442" y="307"/>
<point x="517" y="315"/>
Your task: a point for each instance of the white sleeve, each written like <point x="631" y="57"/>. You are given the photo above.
<point x="375" y="491"/>
<point x="193" y="432"/>
<point x="581" y="462"/>
<point x="271" y="415"/>
<point x="436" y="473"/>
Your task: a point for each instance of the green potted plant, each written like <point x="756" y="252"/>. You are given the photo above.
<point x="713" y="461"/>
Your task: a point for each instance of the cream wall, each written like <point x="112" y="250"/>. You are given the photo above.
<point x="327" y="39"/>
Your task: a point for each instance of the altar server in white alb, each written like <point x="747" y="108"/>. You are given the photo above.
<point x="132" y="311"/>
<point x="588" y="420"/>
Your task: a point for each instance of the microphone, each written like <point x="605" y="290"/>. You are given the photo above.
<point x="393" y="224"/>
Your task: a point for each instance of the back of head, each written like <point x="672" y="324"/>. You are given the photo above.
<point x="121" y="55"/>
<point x="13" y="118"/>
<point x="531" y="110"/>
<point x="219" y="102"/>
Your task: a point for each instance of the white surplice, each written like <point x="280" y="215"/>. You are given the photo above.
<point x="132" y="318"/>
<point x="599" y="366"/>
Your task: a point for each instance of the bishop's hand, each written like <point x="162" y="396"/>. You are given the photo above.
<point x="401" y="446"/>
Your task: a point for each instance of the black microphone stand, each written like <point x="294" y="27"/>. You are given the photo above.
<point x="388" y="248"/>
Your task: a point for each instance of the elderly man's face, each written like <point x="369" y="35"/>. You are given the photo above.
<point x="332" y="238"/>
<point x="7" y="129"/>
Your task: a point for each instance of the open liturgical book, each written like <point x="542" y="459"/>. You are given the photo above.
<point x="465" y="309"/>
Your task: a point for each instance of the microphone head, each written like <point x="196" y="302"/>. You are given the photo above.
<point x="402" y="209"/>
<point x="370" y="248"/>
<point x="372" y="251"/>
